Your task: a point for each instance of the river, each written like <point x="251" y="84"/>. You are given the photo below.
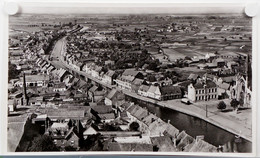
<point x="195" y="126"/>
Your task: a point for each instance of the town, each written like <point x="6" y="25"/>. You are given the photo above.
<point x="86" y="84"/>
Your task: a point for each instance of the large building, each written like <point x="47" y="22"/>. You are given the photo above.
<point x="202" y="90"/>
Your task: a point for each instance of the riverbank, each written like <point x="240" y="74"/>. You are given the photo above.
<point x="225" y="123"/>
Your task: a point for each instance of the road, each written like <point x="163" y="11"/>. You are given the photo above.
<point x="228" y="123"/>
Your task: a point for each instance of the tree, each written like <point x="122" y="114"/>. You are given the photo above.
<point x="222" y="105"/>
<point x="234" y="103"/>
<point x="13" y="72"/>
<point x="134" y="126"/>
<point x="43" y="143"/>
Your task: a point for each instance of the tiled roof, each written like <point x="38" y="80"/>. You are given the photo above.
<point x="144" y="88"/>
<point x="112" y="93"/>
<point x="114" y="146"/>
<point x="209" y="84"/>
<point x="202" y="146"/>
<point x="102" y="109"/>
<point x="31" y="78"/>
<point x="164" y="143"/>
<point x="193" y="76"/>
<point x="130" y="72"/>
<point x="138" y="81"/>
<point x="149" y="119"/>
<point x="65" y="113"/>
<point x="110" y="73"/>
<point x="107" y="116"/>
<point x="170" y="89"/>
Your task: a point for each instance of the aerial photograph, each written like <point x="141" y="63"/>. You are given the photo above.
<point x="130" y="83"/>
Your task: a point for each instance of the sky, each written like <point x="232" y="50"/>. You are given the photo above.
<point x="84" y="8"/>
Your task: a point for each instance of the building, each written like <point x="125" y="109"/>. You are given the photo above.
<point x="170" y="92"/>
<point x="154" y="92"/>
<point x="202" y="90"/>
<point x="126" y="79"/>
<point x="143" y="89"/>
<point x="64" y="136"/>
<point x="36" y="81"/>
<point x="114" y="98"/>
<point x="61" y="87"/>
<point x="95" y="72"/>
<point x="109" y="77"/>
<point x="241" y="91"/>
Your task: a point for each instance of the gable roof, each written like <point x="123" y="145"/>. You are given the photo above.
<point x="149" y="119"/>
<point x="64" y="113"/>
<point x="93" y="88"/>
<point x="202" y="146"/>
<point x="209" y="84"/>
<point x="164" y="143"/>
<point x="130" y="72"/>
<point x="193" y="76"/>
<point x="112" y="93"/>
<point x="138" y="81"/>
<point x="110" y="73"/>
<point x="170" y="89"/>
<point x="183" y="139"/>
<point x="102" y="109"/>
<point x="144" y="88"/>
<point x="107" y="116"/>
<point x="224" y="86"/>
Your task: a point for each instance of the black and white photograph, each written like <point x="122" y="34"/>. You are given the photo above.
<point x="130" y="82"/>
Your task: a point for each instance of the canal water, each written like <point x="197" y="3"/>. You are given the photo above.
<point x="195" y="126"/>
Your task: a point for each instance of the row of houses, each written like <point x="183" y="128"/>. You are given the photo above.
<point x="162" y="135"/>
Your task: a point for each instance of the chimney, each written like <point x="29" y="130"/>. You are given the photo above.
<point x="174" y="142"/>
<point x="25" y="97"/>
<point x="169" y="121"/>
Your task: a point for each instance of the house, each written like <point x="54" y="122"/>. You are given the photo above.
<point x="35" y="81"/>
<point x="210" y="56"/>
<point x="62" y="73"/>
<point x="114" y="98"/>
<point x="154" y="92"/>
<point x="202" y="66"/>
<point x="12" y="104"/>
<point x="126" y="79"/>
<point x="106" y="118"/>
<point x="163" y="144"/>
<point x="193" y="77"/>
<point x="109" y="77"/>
<point x="102" y="113"/>
<point x="232" y="64"/>
<point x="220" y="62"/>
<point x="61" y="87"/>
<point x="184" y="141"/>
<point x="57" y="115"/>
<point x="212" y="65"/>
<point x="109" y="62"/>
<point x="95" y="72"/>
<point x="202" y="90"/>
<point x="143" y="89"/>
<point x="136" y="84"/>
<point x="96" y="94"/>
<point x="63" y="136"/>
<point x="90" y="130"/>
<point x="170" y="92"/>
<point x="36" y="101"/>
<point x="224" y="90"/>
